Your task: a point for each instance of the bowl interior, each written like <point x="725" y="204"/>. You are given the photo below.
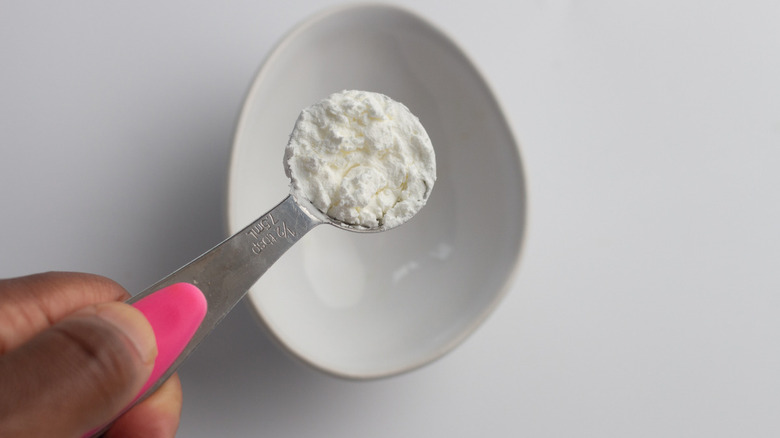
<point x="371" y="305"/>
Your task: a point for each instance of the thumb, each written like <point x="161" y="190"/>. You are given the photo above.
<point x="78" y="374"/>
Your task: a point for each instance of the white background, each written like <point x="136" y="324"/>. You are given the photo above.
<point x="648" y="299"/>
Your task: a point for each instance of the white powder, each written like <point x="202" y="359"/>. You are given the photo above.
<point x="361" y="158"/>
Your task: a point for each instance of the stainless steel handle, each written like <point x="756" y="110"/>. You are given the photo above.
<point x="226" y="272"/>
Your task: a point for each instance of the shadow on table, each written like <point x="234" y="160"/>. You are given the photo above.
<point x="240" y="383"/>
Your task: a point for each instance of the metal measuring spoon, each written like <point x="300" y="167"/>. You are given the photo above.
<point x="184" y="307"/>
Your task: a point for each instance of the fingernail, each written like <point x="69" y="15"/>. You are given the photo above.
<point x="132" y="323"/>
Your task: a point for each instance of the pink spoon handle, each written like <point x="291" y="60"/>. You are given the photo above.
<point x="175" y="313"/>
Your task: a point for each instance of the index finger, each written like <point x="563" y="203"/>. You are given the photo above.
<point x="30" y="304"/>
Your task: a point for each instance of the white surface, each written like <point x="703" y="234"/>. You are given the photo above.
<point x="647" y="300"/>
<point x="370" y="305"/>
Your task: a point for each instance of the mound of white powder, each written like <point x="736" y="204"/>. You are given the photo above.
<point x="361" y="158"/>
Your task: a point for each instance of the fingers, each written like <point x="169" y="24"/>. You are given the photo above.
<point x="155" y="417"/>
<point x="86" y="368"/>
<point x="30" y="304"/>
<point x="78" y="374"/>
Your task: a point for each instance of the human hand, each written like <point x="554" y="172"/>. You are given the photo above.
<point x="73" y="355"/>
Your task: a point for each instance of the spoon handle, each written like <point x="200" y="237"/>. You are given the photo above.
<point x="225" y="273"/>
<point x="221" y="277"/>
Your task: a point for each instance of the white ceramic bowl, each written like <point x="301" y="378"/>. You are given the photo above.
<point x="365" y="306"/>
